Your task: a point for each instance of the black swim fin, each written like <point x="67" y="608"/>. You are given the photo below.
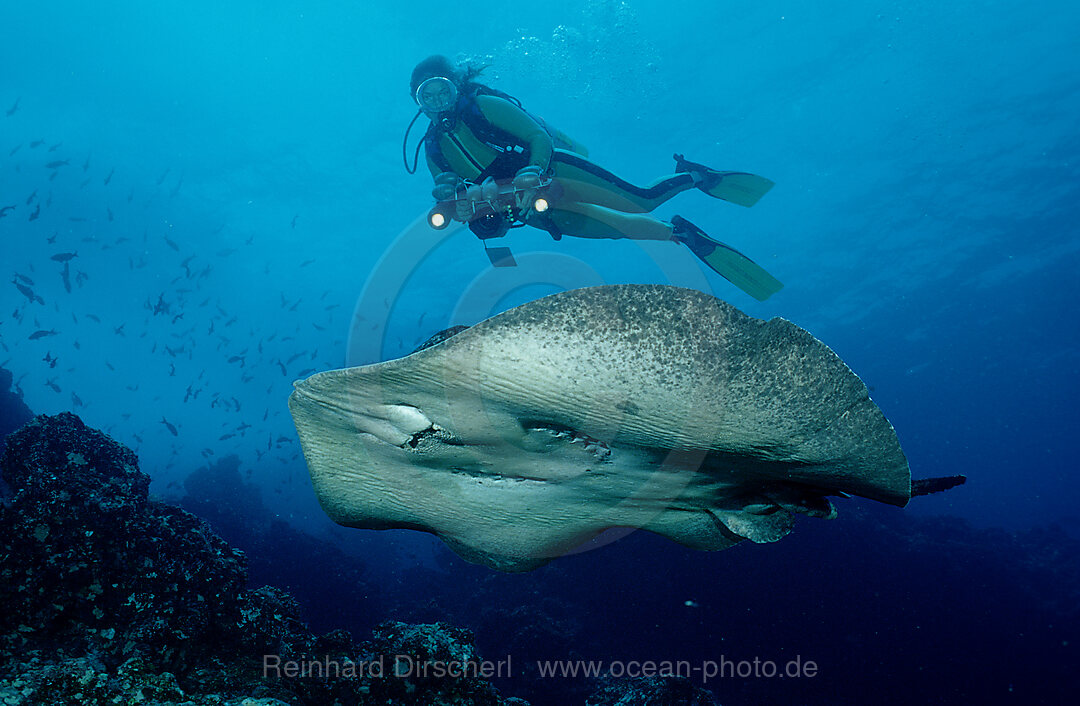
<point x="726" y="261"/>
<point x="741" y="188"/>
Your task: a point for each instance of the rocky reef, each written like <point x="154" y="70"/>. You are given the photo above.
<point x="651" y="691"/>
<point x="279" y="554"/>
<point x="112" y="597"/>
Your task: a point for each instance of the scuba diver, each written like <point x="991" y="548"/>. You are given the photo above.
<point x="496" y="166"/>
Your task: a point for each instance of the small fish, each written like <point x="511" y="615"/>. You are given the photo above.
<point x="284" y="371"/>
<point x="52" y="383"/>
<point x="25" y="279"/>
<point x="75" y="400"/>
<point x="293" y="224"/>
<point x="223" y="437"/>
<point x="94" y="318"/>
<point x="86" y="164"/>
<point x="57" y="163"/>
<point x="162" y="177"/>
<point x="65" y="275"/>
<point x="64" y="256"/>
<point x="31" y="197"/>
<point x="162" y="306"/>
<point x="34" y="144"/>
<point x="4" y="210"/>
<point x="108" y="177"/>
<point x="14" y="107"/>
<point x="35" y="214"/>
<point x="42" y="334"/>
<point x="15" y="149"/>
<point x="169" y="426"/>
<point x="305" y="263"/>
<point x="171" y="244"/>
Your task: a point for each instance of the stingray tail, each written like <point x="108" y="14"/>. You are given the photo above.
<point x="925" y="486"/>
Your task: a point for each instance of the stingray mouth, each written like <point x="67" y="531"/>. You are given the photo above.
<point x="554" y="433"/>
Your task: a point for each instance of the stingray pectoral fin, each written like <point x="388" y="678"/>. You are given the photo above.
<point x="634" y="406"/>
<point x="759" y="529"/>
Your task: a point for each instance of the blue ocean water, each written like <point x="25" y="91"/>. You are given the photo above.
<point x="230" y="178"/>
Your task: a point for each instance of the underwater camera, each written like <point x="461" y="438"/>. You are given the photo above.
<point x="493" y="208"/>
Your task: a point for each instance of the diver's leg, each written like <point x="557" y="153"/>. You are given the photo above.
<point x="586" y="220"/>
<point x="585" y="182"/>
<point x="589" y="221"/>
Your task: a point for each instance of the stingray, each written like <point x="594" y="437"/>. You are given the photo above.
<point x="522" y="438"/>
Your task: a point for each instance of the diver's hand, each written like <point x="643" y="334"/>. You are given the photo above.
<point x="465" y="205"/>
<point x="528" y="181"/>
<point x="463" y="210"/>
<point x="447" y="186"/>
<point x="528" y="178"/>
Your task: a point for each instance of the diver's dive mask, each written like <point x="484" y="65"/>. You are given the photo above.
<point x="436" y="95"/>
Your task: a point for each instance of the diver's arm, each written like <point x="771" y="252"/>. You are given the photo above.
<point x="507" y="116"/>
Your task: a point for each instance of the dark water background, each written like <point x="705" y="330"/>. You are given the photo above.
<point x="238" y="170"/>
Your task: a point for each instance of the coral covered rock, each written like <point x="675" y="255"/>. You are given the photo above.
<point x="112" y="597"/>
<point x="651" y="691"/>
<point x="93" y="563"/>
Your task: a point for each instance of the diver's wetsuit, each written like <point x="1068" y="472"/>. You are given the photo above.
<point x="491" y="136"/>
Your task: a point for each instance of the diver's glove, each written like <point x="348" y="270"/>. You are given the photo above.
<point x="527" y="181"/>
<point x="465" y="205"/>
<point x="447" y="186"/>
<point x="530" y="177"/>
